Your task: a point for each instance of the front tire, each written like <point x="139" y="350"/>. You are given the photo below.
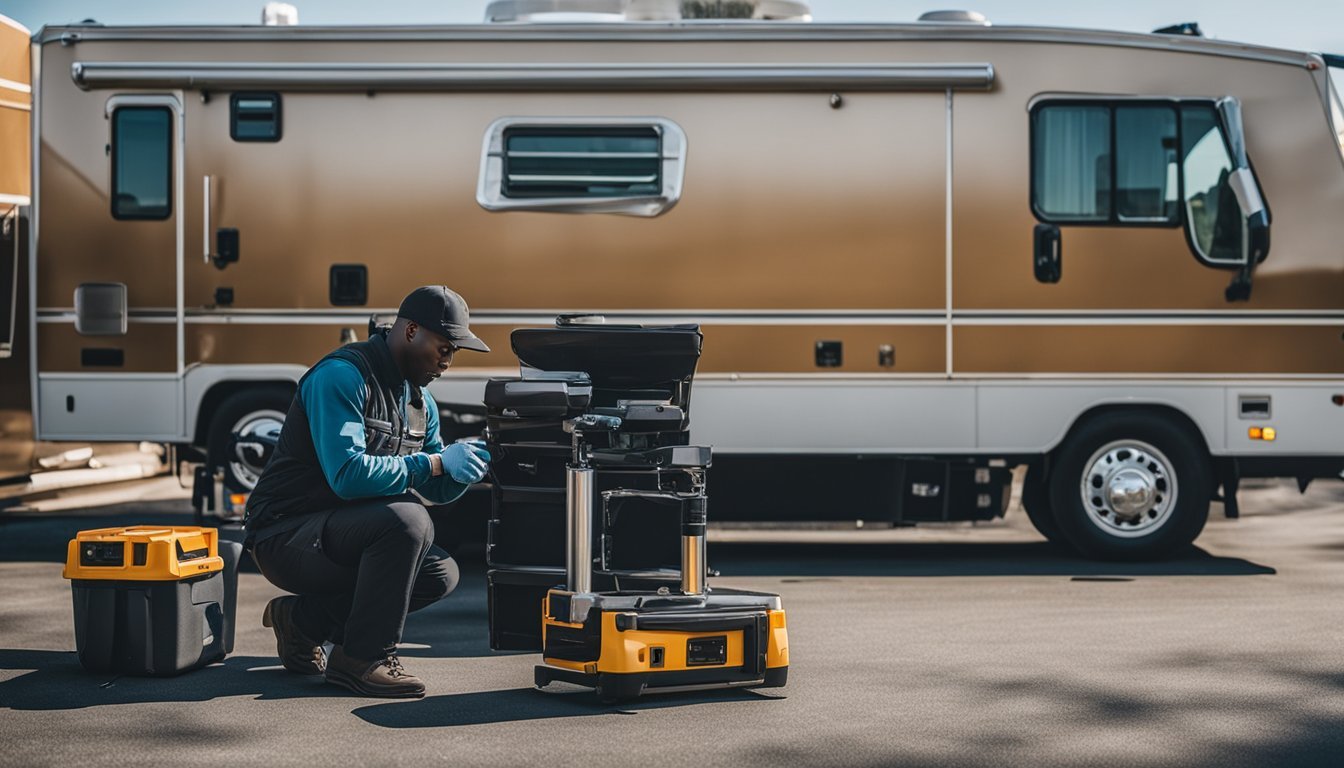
<point x="1130" y="486"/>
<point x="247" y="412"/>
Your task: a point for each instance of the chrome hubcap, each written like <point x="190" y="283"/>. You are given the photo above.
<point x="1128" y="489"/>
<point x="246" y="462"/>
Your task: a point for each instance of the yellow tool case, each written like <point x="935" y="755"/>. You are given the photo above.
<point x="152" y="600"/>
<point x="630" y="642"/>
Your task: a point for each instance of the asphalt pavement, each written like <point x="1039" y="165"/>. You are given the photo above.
<point x="954" y="645"/>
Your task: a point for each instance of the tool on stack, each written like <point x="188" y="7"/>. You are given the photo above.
<point x="597" y="538"/>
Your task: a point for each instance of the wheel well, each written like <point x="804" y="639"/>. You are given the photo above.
<point x="221" y="392"/>
<point x="1168" y="412"/>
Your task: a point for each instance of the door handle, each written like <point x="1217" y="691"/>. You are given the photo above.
<point x="1047" y="253"/>
<point x="205" y="221"/>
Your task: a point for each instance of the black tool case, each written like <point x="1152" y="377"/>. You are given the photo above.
<point x="642" y="374"/>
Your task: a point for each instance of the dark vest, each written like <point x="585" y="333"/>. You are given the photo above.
<point x="293" y="483"/>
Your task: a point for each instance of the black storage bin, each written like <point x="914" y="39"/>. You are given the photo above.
<point x="527" y="528"/>
<point x="515" y="598"/>
<point x="533" y="465"/>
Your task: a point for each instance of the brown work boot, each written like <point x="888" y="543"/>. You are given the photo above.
<point x="298" y="653"/>
<point x="383" y="677"/>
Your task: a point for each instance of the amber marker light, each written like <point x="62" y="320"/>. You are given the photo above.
<point x="1255" y="433"/>
<point x="238" y="499"/>
<point x="1269" y="433"/>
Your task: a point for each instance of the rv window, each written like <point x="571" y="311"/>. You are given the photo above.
<point x="142" y="160"/>
<point x="1337" y="107"/>
<point x="1100" y="163"/>
<point x="1210" y="204"/>
<point x="581" y="162"/>
<point x="1072" y="163"/>
<point x="632" y="166"/>
<point x="254" y="117"/>
<point x="1145" y="164"/>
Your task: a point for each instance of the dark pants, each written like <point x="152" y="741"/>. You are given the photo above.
<point x="358" y="571"/>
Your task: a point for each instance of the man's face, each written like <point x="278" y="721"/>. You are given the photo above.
<point x="428" y="355"/>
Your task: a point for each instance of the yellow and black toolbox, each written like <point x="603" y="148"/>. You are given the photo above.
<point x="597" y="539"/>
<point x="152" y="600"/>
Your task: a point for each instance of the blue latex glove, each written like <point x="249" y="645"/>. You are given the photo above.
<point x="466" y="462"/>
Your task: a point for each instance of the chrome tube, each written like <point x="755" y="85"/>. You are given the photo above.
<point x="693" y="566"/>
<point x="579" y="531"/>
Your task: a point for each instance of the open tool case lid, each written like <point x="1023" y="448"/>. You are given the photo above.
<point x="613" y="356"/>
<point x="642" y="374"/>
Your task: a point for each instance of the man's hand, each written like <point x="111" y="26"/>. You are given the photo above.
<point x="467" y="462"/>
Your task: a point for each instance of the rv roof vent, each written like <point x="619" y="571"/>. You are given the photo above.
<point x="279" y="15"/>
<point x="528" y="11"/>
<point x="1189" y="28"/>
<point x="955" y="17"/>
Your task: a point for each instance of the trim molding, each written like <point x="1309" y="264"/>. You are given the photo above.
<point x="965" y="317"/>
<point x="632" y="76"/>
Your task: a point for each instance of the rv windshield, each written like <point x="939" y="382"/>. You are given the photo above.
<point x="1337" y="106"/>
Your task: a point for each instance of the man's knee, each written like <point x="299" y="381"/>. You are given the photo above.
<point x="436" y="580"/>
<point x="409" y="519"/>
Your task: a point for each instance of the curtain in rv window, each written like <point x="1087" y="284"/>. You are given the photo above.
<point x="142" y="161"/>
<point x="1072" y="163"/>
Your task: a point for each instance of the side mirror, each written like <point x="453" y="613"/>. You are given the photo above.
<point x="1047" y="253"/>
<point x="1250" y="204"/>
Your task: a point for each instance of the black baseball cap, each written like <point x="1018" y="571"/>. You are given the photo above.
<point x="438" y="309"/>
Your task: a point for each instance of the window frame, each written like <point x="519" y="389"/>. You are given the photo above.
<point x="235" y="98"/>
<point x="1047" y="99"/>
<point x="671" y="148"/>
<point x="115" y="157"/>
<point x="1110" y="102"/>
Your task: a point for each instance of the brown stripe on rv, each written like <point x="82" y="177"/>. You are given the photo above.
<point x="149" y="348"/>
<point x="1148" y="349"/>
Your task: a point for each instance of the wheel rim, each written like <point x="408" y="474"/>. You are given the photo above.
<point x="246" y="465"/>
<point x="1128" y="489"/>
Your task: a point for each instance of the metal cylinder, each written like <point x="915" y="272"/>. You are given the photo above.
<point x="579" y="532"/>
<point x="693" y="566"/>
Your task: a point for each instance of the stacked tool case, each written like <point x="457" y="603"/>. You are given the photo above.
<point x="641" y="374"/>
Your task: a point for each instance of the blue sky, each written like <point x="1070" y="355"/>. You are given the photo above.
<point x="1316" y="25"/>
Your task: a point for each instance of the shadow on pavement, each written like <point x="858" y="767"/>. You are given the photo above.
<point x="810" y="561"/>
<point x="57" y="681"/>
<point x="44" y="538"/>
<point x="520" y="704"/>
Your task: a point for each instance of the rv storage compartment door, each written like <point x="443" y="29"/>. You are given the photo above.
<point x="117" y="407"/>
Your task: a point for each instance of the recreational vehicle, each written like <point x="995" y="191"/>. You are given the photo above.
<point x="922" y="254"/>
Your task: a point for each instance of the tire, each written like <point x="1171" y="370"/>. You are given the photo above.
<point x="1036" y="503"/>
<point x="1130" y="486"/>
<point x="245" y="411"/>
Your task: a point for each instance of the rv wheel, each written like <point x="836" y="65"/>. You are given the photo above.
<point x="1036" y="503"/>
<point x="1129" y="486"/>
<point x="246" y="413"/>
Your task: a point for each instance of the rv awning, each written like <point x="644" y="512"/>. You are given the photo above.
<point x="309" y="76"/>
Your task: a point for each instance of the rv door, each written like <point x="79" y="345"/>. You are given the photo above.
<point x="127" y="290"/>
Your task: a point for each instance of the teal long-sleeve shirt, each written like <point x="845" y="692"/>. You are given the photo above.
<point x="333" y="398"/>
